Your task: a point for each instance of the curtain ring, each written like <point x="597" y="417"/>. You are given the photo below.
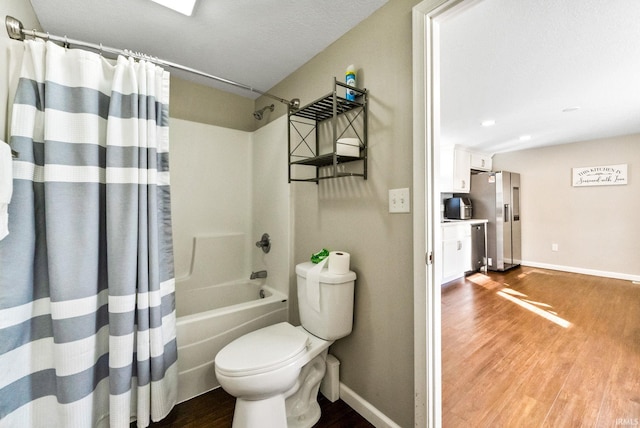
<point x="101" y="49"/>
<point x="47" y="36"/>
<point x="33" y="33"/>
<point x="66" y="42"/>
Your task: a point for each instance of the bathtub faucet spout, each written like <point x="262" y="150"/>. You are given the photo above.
<point x="259" y="274"/>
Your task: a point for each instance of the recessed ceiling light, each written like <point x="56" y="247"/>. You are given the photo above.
<point x="185" y="7"/>
<point x="525" y="137"/>
<point x="570" y="109"/>
<point x="489" y="122"/>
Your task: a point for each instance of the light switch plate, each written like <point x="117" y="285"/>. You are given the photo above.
<point x="399" y="200"/>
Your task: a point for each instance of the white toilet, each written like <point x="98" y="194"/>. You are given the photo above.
<point x="275" y="372"/>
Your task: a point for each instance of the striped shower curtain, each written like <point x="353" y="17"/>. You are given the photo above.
<point x="87" y="310"/>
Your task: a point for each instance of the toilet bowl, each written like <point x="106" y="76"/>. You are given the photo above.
<point x="270" y="385"/>
<point x="275" y="372"/>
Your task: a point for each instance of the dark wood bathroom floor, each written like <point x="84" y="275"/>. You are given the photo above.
<point x="215" y="410"/>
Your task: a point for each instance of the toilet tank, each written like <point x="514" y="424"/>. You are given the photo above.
<point x="334" y="319"/>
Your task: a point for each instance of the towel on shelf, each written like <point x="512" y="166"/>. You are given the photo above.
<point x="6" y="187"/>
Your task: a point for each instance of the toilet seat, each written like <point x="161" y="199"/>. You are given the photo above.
<point x="278" y="345"/>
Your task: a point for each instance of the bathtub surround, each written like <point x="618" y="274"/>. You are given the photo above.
<point x="87" y="288"/>
<point x="271" y="209"/>
<point x="215" y="259"/>
<point x="211" y="191"/>
<point x="225" y="183"/>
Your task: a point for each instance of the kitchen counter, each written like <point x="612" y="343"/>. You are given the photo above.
<point x="457" y="222"/>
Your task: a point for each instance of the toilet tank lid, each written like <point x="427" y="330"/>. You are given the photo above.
<point x="326" y="277"/>
<point x="262" y="350"/>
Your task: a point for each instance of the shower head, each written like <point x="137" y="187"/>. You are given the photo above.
<point x="258" y="114"/>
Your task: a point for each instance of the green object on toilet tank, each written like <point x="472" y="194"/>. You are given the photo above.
<point x="320" y="256"/>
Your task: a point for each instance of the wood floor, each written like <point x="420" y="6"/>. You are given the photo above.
<point x="506" y="366"/>
<point x="215" y="410"/>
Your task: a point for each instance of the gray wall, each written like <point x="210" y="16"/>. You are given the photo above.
<point x="352" y="214"/>
<point x="596" y="228"/>
<point x="197" y="103"/>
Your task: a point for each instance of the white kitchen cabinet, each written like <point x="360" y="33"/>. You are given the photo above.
<point x="456" y="250"/>
<point x="461" y="251"/>
<point x="481" y="161"/>
<point x="455" y="170"/>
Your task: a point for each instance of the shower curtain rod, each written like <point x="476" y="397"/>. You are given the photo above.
<point x="16" y="31"/>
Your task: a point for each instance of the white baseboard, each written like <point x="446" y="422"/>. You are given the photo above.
<point x="606" y="274"/>
<point x="365" y="409"/>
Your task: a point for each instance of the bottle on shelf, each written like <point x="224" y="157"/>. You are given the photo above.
<point x="350" y="79"/>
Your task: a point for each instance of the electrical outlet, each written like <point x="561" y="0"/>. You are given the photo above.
<point x="399" y="200"/>
<point x="554" y="247"/>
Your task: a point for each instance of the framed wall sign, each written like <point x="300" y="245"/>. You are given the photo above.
<point x="608" y="175"/>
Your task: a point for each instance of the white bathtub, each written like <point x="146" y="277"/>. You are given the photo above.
<point x="211" y="317"/>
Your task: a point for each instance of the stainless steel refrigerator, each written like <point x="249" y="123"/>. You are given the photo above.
<point x="496" y="197"/>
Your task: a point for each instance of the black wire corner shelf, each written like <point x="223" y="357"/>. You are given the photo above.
<point x="329" y="117"/>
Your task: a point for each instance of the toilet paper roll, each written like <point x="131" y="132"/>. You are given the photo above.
<point x="339" y="262"/>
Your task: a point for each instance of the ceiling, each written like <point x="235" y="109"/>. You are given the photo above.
<point x="521" y="63"/>
<point x="254" y="42"/>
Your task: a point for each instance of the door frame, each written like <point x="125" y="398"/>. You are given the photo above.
<point x="426" y="214"/>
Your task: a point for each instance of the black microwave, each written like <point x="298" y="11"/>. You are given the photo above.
<point x="458" y="208"/>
